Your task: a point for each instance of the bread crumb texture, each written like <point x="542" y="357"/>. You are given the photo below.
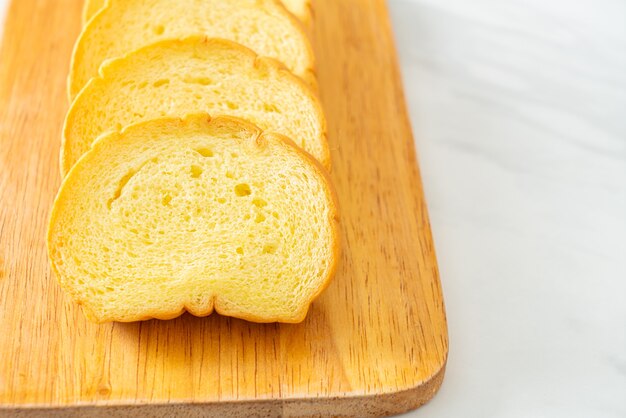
<point x="194" y="214"/>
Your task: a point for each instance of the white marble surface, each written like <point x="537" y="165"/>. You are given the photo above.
<point x="519" y="114"/>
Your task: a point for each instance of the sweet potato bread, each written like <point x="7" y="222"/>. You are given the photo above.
<point x="264" y="26"/>
<point x="178" y="77"/>
<point x="194" y="214"/>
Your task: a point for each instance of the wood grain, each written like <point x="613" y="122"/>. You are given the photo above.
<point x="375" y="343"/>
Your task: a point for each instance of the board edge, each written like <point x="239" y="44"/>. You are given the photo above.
<point x="358" y="406"/>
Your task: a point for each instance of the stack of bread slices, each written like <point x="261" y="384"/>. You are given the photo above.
<point x="195" y="163"/>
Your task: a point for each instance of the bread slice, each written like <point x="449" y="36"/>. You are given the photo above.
<point x="265" y="26"/>
<point x="178" y="77"/>
<point x="90" y="8"/>
<point x="300" y="8"/>
<point x="194" y="214"/>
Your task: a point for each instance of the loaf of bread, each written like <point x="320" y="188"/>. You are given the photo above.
<point x="300" y="8"/>
<point x="265" y="26"/>
<point x="194" y="214"/>
<point x="178" y="77"/>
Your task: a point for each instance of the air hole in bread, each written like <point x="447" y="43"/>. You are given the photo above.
<point x="203" y="81"/>
<point x="205" y="152"/>
<point x="232" y="106"/>
<point x="239" y="250"/>
<point x="166" y="200"/>
<point x="269" y="249"/>
<point x="221" y="200"/>
<point x="242" y="189"/>
<point x="234" y="154"/>
<point x="259" y="218"/>
<point x="196" y="171"/>
<point x="259" y="203"/>
<point x="158" y="29"/>
<point x="230" y="175"/>
<point x="120" y="187"/>
<point x="268" y="107"/>
<point x="161" y="82"/>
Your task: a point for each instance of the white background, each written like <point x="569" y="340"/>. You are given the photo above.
<point x="519" y="114"/>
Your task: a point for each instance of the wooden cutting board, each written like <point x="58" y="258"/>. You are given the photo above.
<point x="375" y="343"/>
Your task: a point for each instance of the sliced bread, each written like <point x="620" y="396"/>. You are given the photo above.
<point x="178" y="77"/>
<point x="265" y="26"/>
<point x="300" y="8"/>
<point x="194" y="214"/>
<point x="90" y="8"/>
